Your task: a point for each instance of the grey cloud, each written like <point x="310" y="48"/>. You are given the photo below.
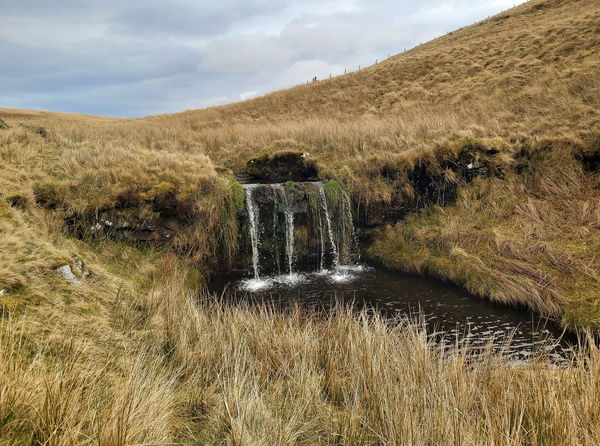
<point x="137" y="58"/>
<point x="192" y="19"/>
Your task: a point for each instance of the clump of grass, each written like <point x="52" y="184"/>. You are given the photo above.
<point x="229" y="222"/>
<point x="514" y="240"/>
<point x="238" y="194"/>
<point x="115" y="360"/>
<point x="333" y="189"/>
<point x="283" y="377"/>
<point x="290" y="189"/>
<point x="36" y="129"/>
<point x="134" y="354"/>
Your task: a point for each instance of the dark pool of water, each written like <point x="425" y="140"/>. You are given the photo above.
<point x="450" y="312"/>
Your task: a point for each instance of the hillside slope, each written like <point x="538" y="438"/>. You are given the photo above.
<point x="529" y="73"/>
<point x="517" y="93"/>
<point x="123" y="351"/>
<point x="540" y="42"/>
<point x="524" y="86"/>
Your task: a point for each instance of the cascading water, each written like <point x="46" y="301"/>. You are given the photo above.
<point x="348" y="234"/>
<point x="282" y="202"/>
<point x="322" y="237"/>
<point x="298" y="228"/>
<point x="303" y="247"/>
<point x="323" y="201"/>
<point x="253" y="219"/>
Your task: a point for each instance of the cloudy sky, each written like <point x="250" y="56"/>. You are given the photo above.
<point x="140" y="57"/>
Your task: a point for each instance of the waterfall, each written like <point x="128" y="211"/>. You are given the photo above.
<point x="281" y="197"/>
<point x="322" y="235"/>
<point x="276" y="209"/>
<point x="347" y="228"/>
<point x="286" y="222"/>
<point x="334" y="250"/>
<point x="253" y="217"/>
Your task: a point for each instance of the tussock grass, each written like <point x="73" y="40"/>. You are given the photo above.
<point x="530" y="239"/>
<point x="519" y="82"/>
<point x="130" y="356"/>
<point x="79" y="175"/>
<point x="202" y="372"/>
<point x="528" y="74"/>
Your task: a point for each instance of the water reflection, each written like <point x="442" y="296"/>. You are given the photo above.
<point x="451" y="315"/>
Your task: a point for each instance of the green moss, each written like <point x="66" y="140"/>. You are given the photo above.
<point x="290" y="189"/>
<point x="333" y="189"/>
<point x="237" y="192"/>
<point x="234" y="204"/>
<point x="194" y="279"/>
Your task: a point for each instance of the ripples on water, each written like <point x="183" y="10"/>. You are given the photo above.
<point x="452" y="316"/>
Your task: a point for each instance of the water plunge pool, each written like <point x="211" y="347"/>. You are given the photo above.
<point x="448" y="311"/>
<point x="298" y="246"/>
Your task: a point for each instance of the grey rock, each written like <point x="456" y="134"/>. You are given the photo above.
<point x="66" y="272"/>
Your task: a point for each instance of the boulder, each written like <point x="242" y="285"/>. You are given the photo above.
<point x="66" y="272"/>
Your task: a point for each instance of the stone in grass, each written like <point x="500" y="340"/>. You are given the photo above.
<point x="3" y="125"/>
<point x="41" y="131"/>
<point x="66" y="272"/>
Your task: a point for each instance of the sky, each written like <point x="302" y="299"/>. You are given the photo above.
<point x="142" y="57"/>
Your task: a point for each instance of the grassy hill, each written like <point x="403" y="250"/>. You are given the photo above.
<point x="123" y="355"/>
<point x="523" y="86"/>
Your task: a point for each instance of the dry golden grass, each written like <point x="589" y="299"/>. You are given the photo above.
<point x="528" y="78"/>
<point x="175" y="370"/>
<point x="528" y="74"/>
<point x="529" y="239"/>
<point x="77" y="173"/>
<point x="114" y="361"/>
<point x="128" y="357"/>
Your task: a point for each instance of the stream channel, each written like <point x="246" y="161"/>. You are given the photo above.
<point x="301" y="248"/>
